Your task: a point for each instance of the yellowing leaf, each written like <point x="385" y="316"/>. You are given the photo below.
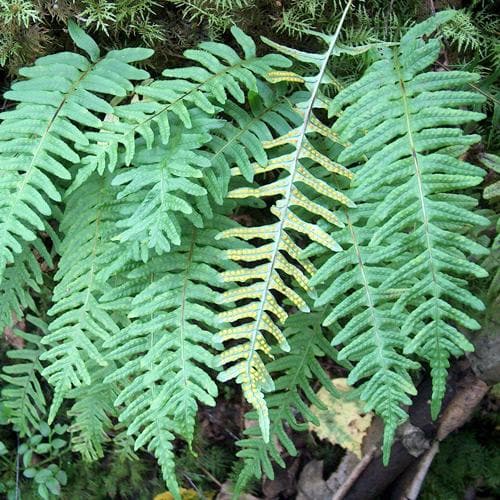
<point x="343" y="422"/>
<point x="185" y="495"/>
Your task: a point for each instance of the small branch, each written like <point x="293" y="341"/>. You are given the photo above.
<point x="470" y="392"/>
<point x="354" y="475"/>
<point x="211" y="476"/>
<point x="413" y="489"/>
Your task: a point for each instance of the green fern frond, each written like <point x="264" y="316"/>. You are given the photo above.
<point x="59" y="97"/>
<point x="162" y="186"/>
<point x="92" y="413"/>
<point x="81" y="324"/>
<point x="260" y="310"/>
<point x="164" y="352"/>
<point x="405" y="140"/>
<point x="220" y="74"/>
<point x="23" y="395"/>
<point x="289" y="403"/>
<point x="20" y="281"/>
<point x="370" y="332"/>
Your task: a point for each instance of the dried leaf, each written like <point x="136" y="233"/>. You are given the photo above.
<point x="343" y="422"/>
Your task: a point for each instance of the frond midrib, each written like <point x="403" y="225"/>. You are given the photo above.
<point x="423" y="210"/>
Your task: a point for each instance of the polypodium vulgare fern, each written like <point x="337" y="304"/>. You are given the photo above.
<point x="157" y="288"/>
<point x="183" y="97"/>
<point x="81" y="324"/>
<point x="59" y="97"/>
<point x="370" y="331"/>
<point x="164" y="353"/>
<point x="262" y="285"/>
<point x="403" y="123"/>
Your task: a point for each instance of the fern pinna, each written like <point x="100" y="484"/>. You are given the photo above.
<point x="131" y="191"/>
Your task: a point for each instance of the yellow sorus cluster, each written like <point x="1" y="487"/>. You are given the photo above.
<point x="290" y="247"/>
<point x="308" y="151"/>
<point x="270" y="327"/>
<point x="300" y="200"/>
<point x="283" y="162"/>
<point x="321" y="187"/>
<point x="291" y="137"/>
<point x="284" y="76"/>
<point x="316" y="126"/>
<point x="247" y="233"/>
<point x="245" y="274"/>
<point x="314" y="232"/>
<point x="251" y="254"/>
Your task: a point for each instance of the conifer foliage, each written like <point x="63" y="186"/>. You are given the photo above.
<point x="122" y="195"/>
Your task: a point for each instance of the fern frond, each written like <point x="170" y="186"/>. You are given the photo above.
<point x="91" y="413"/>
<point x="403" y="123"/>
<point x="221" y="74"/>
<point x="289" y="403"/>
<point x="59" y="97"/>
<point x="23" y="395"/>
<point x="371" y="333"/>
<point x="164" y="352"/>
<point x="20" y="281"/>
<point x="278" y="263"/>
<point x="163" y="185"/>
<point x="80" y="322"/>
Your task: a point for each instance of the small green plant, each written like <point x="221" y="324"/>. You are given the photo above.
<point x="125" y="192"/>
